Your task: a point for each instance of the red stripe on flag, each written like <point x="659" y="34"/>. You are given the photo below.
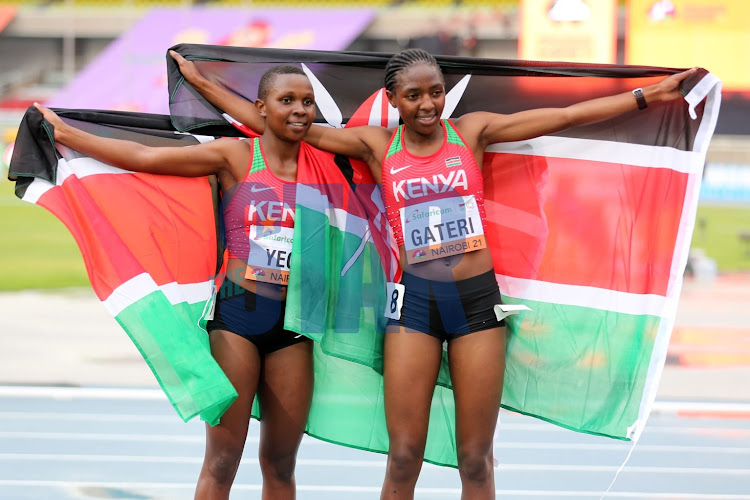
<point x="108" y="263"/>
<point x="165" y="229"/>
<point x="362" y="115"/>
<point x="577" y="222"/>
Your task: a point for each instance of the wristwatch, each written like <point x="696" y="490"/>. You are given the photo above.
<point x="639" y="98"/>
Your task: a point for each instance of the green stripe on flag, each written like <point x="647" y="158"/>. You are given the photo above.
<point x="344" y="314"/>
<point x="577" y="363"/>
<point x="178" y="353"/>
<point x="348" y="409"/>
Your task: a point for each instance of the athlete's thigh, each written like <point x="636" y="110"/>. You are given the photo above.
<point x="411" y="362"/>
<point x="285" y="394"/>
<point x="477" y="366"/>
<point x="240" y="361"/>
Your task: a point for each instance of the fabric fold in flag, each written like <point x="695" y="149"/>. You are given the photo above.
<point x="590" y="227"/>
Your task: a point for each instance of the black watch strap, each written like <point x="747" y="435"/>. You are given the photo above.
<point x="640" y="98"/>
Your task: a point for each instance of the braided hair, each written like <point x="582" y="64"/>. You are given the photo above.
<point x="266" y="81"/>
<point x="403" y="60"/>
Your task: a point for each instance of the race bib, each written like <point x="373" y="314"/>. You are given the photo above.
<point x="270" y="252"/>
<point x="441" y="228"/>
<point x="395" y="294"/>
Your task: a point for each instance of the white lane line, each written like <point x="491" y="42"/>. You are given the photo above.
<point x="93" y="417"/>
<point x="450" y="492"/>
<point x="614" y="468"/>
<point x="678" y="406"/>
<point x="703" y="431"/>
<point x="505" y="429"/>
<point x="69" y="393"/>
<point x="184" y="438"/>
<point x="148" y="438"/>
<point x="379" y="463"/>
<point x="54" y="457"/>
<point x="96" y="393"/>
<point x="77" y="436"/>
<point x="535" y="427"/>
<point x="640" y="448"/>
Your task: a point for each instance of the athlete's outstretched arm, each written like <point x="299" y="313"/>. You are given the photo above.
<point x="354" y="142"/>
<point x="195" y="161"/>
<point x="491" y="128"/>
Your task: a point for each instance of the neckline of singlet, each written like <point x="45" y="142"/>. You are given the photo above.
<point x="429" y="157"/>
<point x="256" y="141"/>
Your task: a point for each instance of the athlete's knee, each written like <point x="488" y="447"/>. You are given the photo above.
<point x="222" y="466"/>
<point x="475" y="465"/>
<point x="404" y="461"/>
<point x="278" y="466"/>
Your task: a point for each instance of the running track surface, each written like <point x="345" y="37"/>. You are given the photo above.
<point x="96" y="443"/>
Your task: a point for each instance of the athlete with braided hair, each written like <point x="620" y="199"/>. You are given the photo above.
<point x="430" y="167"/>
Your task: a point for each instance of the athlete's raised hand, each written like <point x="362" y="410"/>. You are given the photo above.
<point x="668" y="88"/>
<point x="53" y="119"/>
<point x="188" y="68"/>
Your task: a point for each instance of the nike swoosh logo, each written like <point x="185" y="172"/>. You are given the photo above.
<point x="255" y="189"/>
<point x="397" y="170"/>
<point x="297" y="336"/>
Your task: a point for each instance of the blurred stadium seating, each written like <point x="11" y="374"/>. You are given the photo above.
<point x="45" y="43"/>
<point x="262" y="3"/>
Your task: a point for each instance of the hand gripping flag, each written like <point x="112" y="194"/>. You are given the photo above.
<point x="589" y="227"/>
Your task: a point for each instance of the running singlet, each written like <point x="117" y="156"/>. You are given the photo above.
<point x="435" y="203"/>
<point x="259" y="221"/>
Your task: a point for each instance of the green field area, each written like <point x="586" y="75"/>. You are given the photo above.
<point x="717" y="230"/>
<point x="38" y="251"/>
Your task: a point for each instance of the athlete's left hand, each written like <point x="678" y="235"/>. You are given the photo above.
<point x="669" y="88"/>
<point x="188" y="68"/>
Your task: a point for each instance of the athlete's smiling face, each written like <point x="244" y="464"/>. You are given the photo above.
<point x="419" y="96"/>
<point x="288" y="107"/>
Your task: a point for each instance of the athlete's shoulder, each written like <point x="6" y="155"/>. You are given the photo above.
<point x="472" y="121"/>
<point x="231" y="143"/>
<point x="376" y="139"/>
<point x="373" y="134"/>
<point x="471" y="126"/>
<point x="237" y="154"/>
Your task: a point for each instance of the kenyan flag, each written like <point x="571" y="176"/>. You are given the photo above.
<point x="590" y="227"/>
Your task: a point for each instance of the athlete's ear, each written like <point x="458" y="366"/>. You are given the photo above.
<point x="391" y="97"/>
<point x="260" y="105"/>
